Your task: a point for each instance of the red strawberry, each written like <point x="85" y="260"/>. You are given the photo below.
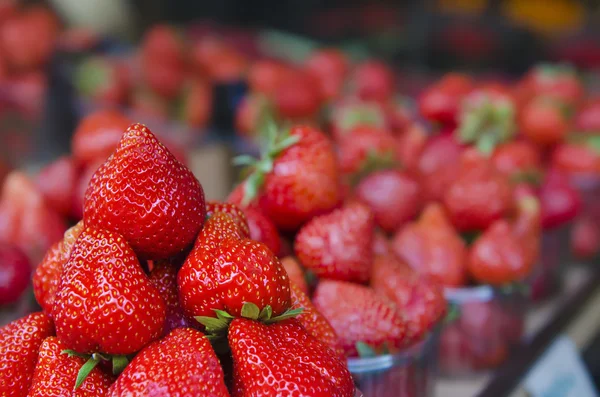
<point x="479" y="195"/>
<point x="330" y="67"/>
<point x="298" y="96"/>
<point x="374" y="80"/>
<point x="351" y="113"/>
<point x="57" y="183"/>
<point x="263" y="230"/>
<point x="365" y="149"/>
<point x="181" y="364"/>
<point x="19" y="345"/>
<point x="358" y="314"/>
<point x="588" y="117"/>
<point x="420" y="299"/>
<point x="296" y="362"/>
<point x="248" y="115"/>
<point x="313" y="321"/>
<point x="438" y="166"/>
<point x="381" y="245"/>
<point x="338" y="245"/>
<point x="15" y="271"/>
<point x="543" y="122"/>
<point x="56" y="374"/>
<point x="577" y="159"/>
<point x="296" y="179"/>
<point x="25" y="218"/>
<point x="559" y="200"/>
<point x="441" y="102"/>
<point x="147" y="104"/>
<point x="224" y="272"/>
<point x="559" y="82"/>
<point x="47" y="277"/>
<point x="410" y="146"/>
<point x="238" y="216"/>
<point x="104" y="80"/>
<point x="295" y="273"/>
<point x="265" y="76"/>
<point x="197" y="104"/>
<point x="393" y="196"/>
<point x="145" y="194"/>
<point x="432" y="246"/>
<point x="97" y="136"/>
<point x="516" y="159"/>
<point x="104" y="302"/>
<point x="164" y="278"/>
<point x="585" y="238"/>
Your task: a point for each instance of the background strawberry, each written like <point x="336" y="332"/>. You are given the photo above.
<point x="263" y="230"/>
<point x="133" y="171"/>
<point x="364" y="149"/>
<point x="57" y="182"/>
<point x="338" y="245"/>
<point x="183" y="363"/>
<point x="295" y="273"/>
<point x="373" y="80"/>
<point x="19" y="345"/>
<point x="234" y="211"/>
<point x="296" y="362"/>
<point x="15" y="272"/>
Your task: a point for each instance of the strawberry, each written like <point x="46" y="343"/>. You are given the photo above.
<point x="576" y="158"/>
<point x="432" y="246"/>
<point x="411" y="144"/>
<point x="351" y="113"/>
<point x="265" y="76"/>
<point x="224" y="271"/>
<point x="181" y="364"/>
<point x="248" y="115"/>
<point x="366" y="149"/>
<point x="164" y="77"/>
<point x="517" y="159"/>
<point x="381" y="244"/>
<point x="104" y="302"/>
<point x="47" y="277"/>
<point x="313" y="321"/>
<point x="544" y="122"/>
<point x="19" y="345"/>
<point x="295" y="363"/>
<point x="238" y="216"/>
<point x="25" y="218"/>
<point x="144" y="193"/>
<point x="15" y="271"/>
<point x="479" y="195"/>
<point x="338" y="245"/>
<point x="197" y="104"/>
<point x="263" y="230"/>
<point x="97" y="136"/>
<point x="441" y="102"/>
<point x="104" y="80"/>
<point x="374" y="80"/>
<point x="393" y="196"/>
<point x="57" y="183"/>
<point x="559" y="200"/>
<point x="295" y="273"/>
<point x="287" y="196"/>
<point x="56" y="374"/>
<point x="358" y="314"/>
<point x="329" y="66"/>
<point x="164" y="278"/>
<point x="438" y="166"/>
<point x="420" y="299"/>
<point x="588" y="117"/>
<point x="585" y="238"/>
<point x="559" y="82"/>
<point x="298" y="96"/>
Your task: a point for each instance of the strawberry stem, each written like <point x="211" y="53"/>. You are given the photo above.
<point x="250" y="310"/>
<point x="85" y="370"/>
<point x="118" y="364"/>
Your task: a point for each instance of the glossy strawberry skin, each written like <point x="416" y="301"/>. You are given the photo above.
<point x="374" y="80"/>
<point x="104" y="302"/>
<point x="47" y="277"/>
<point x="19" y="345"/>
<point x="313" y="321"/>
<point x="441" y="102"/>
<point x="181" y="364"/>
<point x="297" y="363"/>
<point x="263" y="230"/>
<point x="238" y="216"/>
<point x="57" y="183"/>
<point x="432" y="246"/>
<point x="417" y="296"/>
<point x="518" y="157"/>
<point x="365" y="144"/>
<point x="55" y="374"/>
<point x="338" y="245"/>
<point x="560" y="202"/>
<point x="543" y="122"/>
<point x="144" y="193"/>
<point x="393" y="196"/>
<point x="224" y="271"/>
<point x="295" y="273"/>
<point x="358" y="314"/>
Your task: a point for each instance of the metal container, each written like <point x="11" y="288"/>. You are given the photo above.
<point x="482" y="326"/>
<point x="410" y="373"/>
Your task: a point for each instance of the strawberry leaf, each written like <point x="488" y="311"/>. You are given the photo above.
<point x="250" y="310"/>
<point x="364" y="350"/>
<point x="73" y="353"/>
<point x="212" y="324"/>
<point x="223" y="315"/>
<point x="288" y="314"/>
<point x="118" y="364"/>
<point x="266" y="313"/>
<point x="85" y="370"/>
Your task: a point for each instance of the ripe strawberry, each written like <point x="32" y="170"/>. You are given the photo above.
<point x="313" y="321"/>
<point x="224" y="272"/>
<point x="57" y="183"/>
<point x="162" y="42"/>
<point x="543" y="122"/>
<point x="181" y="364"/>
<point x="104" y="302"/>
<point x="164" y="278"/>
<point x="97" y="136"/>
<point x="479" y="195"/>
<point x="104" y="80"/>
<point x="393" y="196"/>
<point x="588" y="117"/>
<point x="56" y="374"/>
<point x="373" y="80"/>
<point x="555" y="81"/>
<point x="19" y="345"/>
<point x="351" y="113"/>
<point x="147" y="104"/>
<point x="338" y="245"/>
<point x="441" y="102"/>
<point x="577" y="158"/>
<point x="287" y="196"/>
<point x="47" y="277"/>
<point x="25" y="218"/>
<point x="381" y="244"/>
<point x="432" y="246"/>
<point x="295" y="273"/>
<point x="144" y="193"/>
<point x="366" y="149"/>
<point x="559" y="200"/>
<point x="411" y="144"/>
<point x="297" y="363"/>
<point x="585" y="238"/>
<point x="248" y="115"/>
<point x="421" y="300"/>
<point x="358" y="314"/>
<point x="265" y="76"/>
<point x="263" y="230"/>
<point x="517" y="159"/>
<point x="329" y="66"/>
<point x="438" y="166"/>
<point x="15" y="271"/>
<point x="238" y="216"/>
<point x="197" y="104"/>
<point x="297" y="97"/>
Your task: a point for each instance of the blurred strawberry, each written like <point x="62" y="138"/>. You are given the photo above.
<point x="218" y="60"/>
<point x="393" y="196"/>
<point x="97" y="136"/>
<point x="588" y="118"/>
<point x="162" y="42"/>
<point x="164" y="77"/>
<point x="350" y="113"/>
<point x="15" y="272"/>
<point x="58" y="182"/>
<point x="438" y="165"/>
<point x="265" y="76"/>
<point x="374" y="80"/>
<point x="556" y="81"/>
<point x="577" y="158"/>
<point x="298" y="96"/>
<point x="440" y="103"/>
<point x="432" y="246"/>
<point x="543" y="121"/>
<point x="104" y="80"/>
<point x="411" y="144"/>
<point x="365" y="149"/>
<point x="295" y="273"/>
<point x="147" y="104"/>
<point x="197" y="104"/>
<point x="27" y="91"/>
<point x="559" y="200"/>
<point x="517" y="159"/>
<point x="381" y="245"/>
<point x="330" y="67"/>
<point x="248" y="115"/>
<point x="585" y="238"/>
<point x="262" y="229"/>
<point x="25" y="218"/>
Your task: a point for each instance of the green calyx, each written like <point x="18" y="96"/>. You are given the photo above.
<point x="590" y="141"/>
<point x="552" y="71"/>
<point x="364" y="114"/>
<point x="91" y="75"/>
<point x="119" y="362"/>
<point x="374" y="162"/>
<point x="532" y="177"/>
<point x="487" y="124"/>
<point x="275" y="142"/>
